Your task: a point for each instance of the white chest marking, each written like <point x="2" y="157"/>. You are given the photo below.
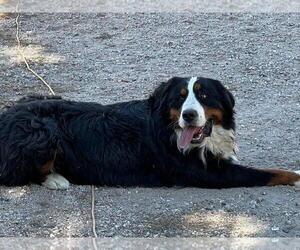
<point x="222" y="142"/>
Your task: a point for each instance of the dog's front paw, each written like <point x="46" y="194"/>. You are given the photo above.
<point x="56" y="181"/>
<point x="297" y="183"/>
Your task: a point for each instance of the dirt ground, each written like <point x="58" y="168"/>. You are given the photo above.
<point x="115" y="57"/>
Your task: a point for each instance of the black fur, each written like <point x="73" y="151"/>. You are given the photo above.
<point x="124" y="144"/>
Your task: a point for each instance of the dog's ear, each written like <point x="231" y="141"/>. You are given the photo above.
<point x="158" y="98"/>
<point x="228" y="101"/>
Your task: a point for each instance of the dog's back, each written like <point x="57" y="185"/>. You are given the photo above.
<point x="41" y="133"/>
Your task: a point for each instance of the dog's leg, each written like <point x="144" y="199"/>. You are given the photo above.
<point x="226" y="175"/>
<point x="29" y="136"/>
<point x="283" y="177"/>
<point x="237" y="175"/>
<point x="50" y="179"/>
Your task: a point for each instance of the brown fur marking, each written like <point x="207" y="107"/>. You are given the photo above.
<point x="282" y="177"/>
<point x="213" y="113"/>
<point x="183" y="92"/>
<point x="197" y="86"/>
<point x="174" y="114"/>
<point x="47" y="167"/>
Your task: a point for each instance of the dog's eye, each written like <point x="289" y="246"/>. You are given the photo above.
<point x="183" y="94"/>
<point x="203" y="96"/>
<point x="182" y="97"/>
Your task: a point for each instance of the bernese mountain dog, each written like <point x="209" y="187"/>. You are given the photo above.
<point x="182" y="135"/>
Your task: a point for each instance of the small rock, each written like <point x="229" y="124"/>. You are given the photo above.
<point x="275" y="228"/>
<point x="222" y="203"/>
<point x="259" y="199"/>
<point x="253" y="204"/>
<point x="228" y="208"/>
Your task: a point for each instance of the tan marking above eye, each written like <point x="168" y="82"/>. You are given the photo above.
<point x="183" y="92"/>
<point x="197" y="86"/>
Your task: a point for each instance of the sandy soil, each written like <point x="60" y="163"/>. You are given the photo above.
<point x="115" y="57"/>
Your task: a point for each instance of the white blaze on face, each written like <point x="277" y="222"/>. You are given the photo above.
<point x="191" y="102"/>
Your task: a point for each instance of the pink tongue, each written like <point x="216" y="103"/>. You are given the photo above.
<point x="186" y="137"/>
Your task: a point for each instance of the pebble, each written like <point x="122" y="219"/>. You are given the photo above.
<point x="275" y="228"/>
<point x="253" y="204"/>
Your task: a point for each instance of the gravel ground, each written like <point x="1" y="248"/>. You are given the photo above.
<point x="115" y="57"/>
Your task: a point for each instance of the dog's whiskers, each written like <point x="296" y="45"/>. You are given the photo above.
<point x="172" y="124"/>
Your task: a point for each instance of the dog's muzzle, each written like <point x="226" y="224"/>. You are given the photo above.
<point x="194" y="135"/>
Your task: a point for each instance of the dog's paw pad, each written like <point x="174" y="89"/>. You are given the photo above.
<point x="56" y="181"/>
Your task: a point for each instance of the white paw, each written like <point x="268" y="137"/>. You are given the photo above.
<point x="56" y="181"/>
<point x="297" y="183"/>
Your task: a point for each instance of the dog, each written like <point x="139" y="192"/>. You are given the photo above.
<point x="182" y="135"/>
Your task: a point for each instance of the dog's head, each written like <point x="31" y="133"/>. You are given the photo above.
<point x="200" y="110"/>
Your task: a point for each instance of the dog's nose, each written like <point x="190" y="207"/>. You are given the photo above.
<point x="189" y="115"/>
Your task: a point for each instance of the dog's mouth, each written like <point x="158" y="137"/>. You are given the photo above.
<point x="194" y="135"/>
